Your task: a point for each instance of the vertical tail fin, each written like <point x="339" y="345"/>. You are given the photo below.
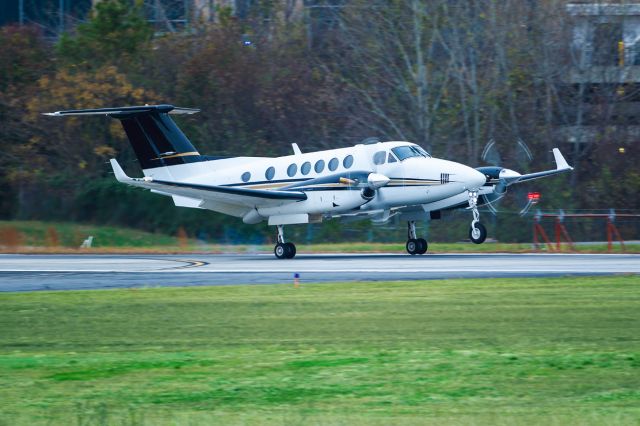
<point x="154" y="136"/>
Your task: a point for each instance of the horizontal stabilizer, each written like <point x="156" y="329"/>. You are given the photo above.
<point x="169" y="109"/>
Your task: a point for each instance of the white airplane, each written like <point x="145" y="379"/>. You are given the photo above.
<point x="377" y="180"/>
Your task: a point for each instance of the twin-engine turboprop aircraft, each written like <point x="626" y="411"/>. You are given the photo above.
<point x="377" y="180"/>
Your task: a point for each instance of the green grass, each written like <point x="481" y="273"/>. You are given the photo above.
<point x="531" y="351"/>
<point x="35" y="237"/>
<point x="38" y="234"/>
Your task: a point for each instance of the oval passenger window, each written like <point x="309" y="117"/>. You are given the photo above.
<point x="306" y="168"/>
<point x="270" y="173"/>
<point x="292" y="170"/>
<point x="333" y="164"/>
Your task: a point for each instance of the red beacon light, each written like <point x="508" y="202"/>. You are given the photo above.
<point x="533" y="197"/>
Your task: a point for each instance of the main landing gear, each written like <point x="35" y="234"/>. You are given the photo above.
<point x="477" y="231"/>
<point x="415" y="245"/>
<point x="283" y="250"/>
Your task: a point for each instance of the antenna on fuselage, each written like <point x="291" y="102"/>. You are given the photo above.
<point x="370" y="140"/>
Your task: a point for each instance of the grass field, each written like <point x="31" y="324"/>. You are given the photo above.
<point x="532" y="351"/>
<point x="52" y="237"/>
<point x="60" y="235"/>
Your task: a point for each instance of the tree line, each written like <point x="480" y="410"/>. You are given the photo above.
<point x="480" y="82"/>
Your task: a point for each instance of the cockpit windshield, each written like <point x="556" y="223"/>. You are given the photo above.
<point x="408" y="151"/>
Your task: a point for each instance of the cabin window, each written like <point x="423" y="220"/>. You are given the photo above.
<point x="348" y="161"/>
<point x="245" y="176"/>
<point x="270" y="173"/>
<point x="319" y="167"/>
<point x="421" y="151"/>
<point x="333" y="164"/>
<point x="292" y="170"/>
<point x="306" y="168"/>
<point x="379" y="157"/>
<point x="391" y="158"/>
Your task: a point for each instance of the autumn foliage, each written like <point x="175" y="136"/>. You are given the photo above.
<point x="451" y="76"/>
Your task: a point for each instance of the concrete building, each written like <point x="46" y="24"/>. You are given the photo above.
<point x="602" y="87"/>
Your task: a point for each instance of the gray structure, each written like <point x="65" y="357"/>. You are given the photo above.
<point x="603" y="82"/>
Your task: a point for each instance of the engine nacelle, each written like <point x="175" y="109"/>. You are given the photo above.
<point x="368" y="193"/>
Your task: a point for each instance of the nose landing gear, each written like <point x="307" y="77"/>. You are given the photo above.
<point x="415" y="245"/>
<point x="283" y="250"/>
<point x="477" y="232"/>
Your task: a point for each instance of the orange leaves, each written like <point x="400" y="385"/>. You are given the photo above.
<point x="104" y="87"/>
<point x="105" y="151"/>
<point x="73" y="145"/>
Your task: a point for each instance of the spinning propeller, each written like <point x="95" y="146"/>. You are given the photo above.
<point x="501" y="178"/>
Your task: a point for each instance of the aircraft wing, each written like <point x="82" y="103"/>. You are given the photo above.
<point x="509" y="177"/>
<point x="230" y="195"/>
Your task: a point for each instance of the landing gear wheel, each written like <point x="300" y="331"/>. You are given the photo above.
<point x="413" y="246"/>
<point x="422" y="243"/>
<point x="417" y="246"/>
<point x="280" y="251"/>
<point x="290" y="250"/>
<point x="478" y="233"/>
<point x="285" y="250"/>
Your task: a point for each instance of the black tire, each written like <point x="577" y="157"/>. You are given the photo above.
<point x="290" y="249"/>
<point x="412" y="246"/>
<point x="423" y="245"/>
<point x="280" y="251"/>
<point x="482" y="235"/>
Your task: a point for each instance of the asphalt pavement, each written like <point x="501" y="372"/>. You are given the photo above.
<point x="23" y="272"/>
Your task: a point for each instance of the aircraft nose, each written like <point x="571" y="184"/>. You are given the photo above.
<point x="472" y="178"/>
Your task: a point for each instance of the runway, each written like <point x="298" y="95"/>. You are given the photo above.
<point x="75" y="272"/>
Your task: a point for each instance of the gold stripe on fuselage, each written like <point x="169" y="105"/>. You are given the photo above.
<point x="183" y="154"/>
<point x="392" y="183"/>
<point x="268" y="185"/>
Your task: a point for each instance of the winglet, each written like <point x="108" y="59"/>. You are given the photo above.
<point x="117" y="170"/>
<point x="561" y="163"/>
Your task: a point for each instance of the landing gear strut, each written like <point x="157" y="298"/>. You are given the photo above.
<point x="283" y="250"/>
<point x="415" y="245"/>
<point x="477" y="232"/>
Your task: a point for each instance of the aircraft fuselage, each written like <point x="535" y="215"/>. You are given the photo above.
<point x="333" y="180"/>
